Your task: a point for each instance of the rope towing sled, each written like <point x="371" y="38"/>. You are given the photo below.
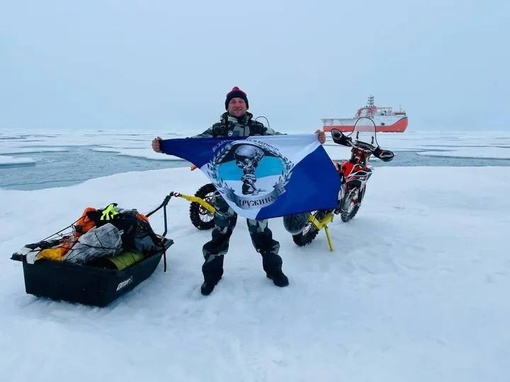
<point x="96" y="259"/>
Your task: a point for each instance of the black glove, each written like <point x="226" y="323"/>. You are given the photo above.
<point x="384" y="155"/>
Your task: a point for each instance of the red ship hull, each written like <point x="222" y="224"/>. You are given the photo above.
<point x="397" y="127"/>
<point x="384" y="118"/>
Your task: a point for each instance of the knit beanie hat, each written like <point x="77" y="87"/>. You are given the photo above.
<point x="236" y="93"/>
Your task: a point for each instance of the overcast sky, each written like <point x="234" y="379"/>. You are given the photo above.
<point x="168" y="64"/>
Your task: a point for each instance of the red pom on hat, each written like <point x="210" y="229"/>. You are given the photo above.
<point x="236" y="93"/>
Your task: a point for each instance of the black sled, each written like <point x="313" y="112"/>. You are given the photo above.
<point x="97" y="282"/>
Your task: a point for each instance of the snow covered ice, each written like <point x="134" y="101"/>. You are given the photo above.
<point x="415" y="290"/>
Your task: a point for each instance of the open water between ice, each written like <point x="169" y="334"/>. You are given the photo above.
<point x="73" y="166"/>
<point x="78" y="164"/>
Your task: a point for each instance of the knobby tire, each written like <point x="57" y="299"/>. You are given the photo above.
<point x="347" y="214"/>
<point x="200" y="217"/>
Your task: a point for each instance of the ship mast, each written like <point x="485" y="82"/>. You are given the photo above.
<point x="370" y="108"/>
<point x="370" y="102"/>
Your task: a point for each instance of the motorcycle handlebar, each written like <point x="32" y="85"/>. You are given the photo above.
<point x="341" y="139"/>
<point x="364" y="146"/>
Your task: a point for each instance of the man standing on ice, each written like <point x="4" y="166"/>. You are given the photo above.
<point x="237" y="122"/>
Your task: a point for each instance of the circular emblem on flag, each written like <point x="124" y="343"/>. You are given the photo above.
<point x="250" y="173"/>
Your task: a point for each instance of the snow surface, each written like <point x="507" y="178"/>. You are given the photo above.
<point x="415" y="290"/>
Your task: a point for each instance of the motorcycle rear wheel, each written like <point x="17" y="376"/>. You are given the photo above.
<point x="310" y="231"/>
<point x="200" y="217"/>
<point x="351" y="204"/>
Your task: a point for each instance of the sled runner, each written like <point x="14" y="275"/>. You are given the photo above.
<point x="98" y="258"/>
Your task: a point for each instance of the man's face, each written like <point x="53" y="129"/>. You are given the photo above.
<point x="236" y="107"/>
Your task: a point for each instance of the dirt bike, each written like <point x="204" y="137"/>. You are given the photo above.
<point x="354" y="172"/>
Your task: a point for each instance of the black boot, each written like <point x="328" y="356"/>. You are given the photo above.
<point x="279" y="279"/>
<point x="272" y="264"/>
<point x="207" y="287"/>
<point x="212" y="270"/>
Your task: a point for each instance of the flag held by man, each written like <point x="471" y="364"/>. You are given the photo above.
<point x="267" y="176"/>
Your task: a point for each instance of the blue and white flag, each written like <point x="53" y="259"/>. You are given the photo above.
<point x="266" y="176"/>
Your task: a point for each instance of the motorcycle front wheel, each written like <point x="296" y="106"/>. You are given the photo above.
<point x="200" y="217"/>
<point x="310" y="231"/>
<point x="351" y="203"/>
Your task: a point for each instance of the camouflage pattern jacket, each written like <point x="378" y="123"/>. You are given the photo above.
<point x="230" y="126"/>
